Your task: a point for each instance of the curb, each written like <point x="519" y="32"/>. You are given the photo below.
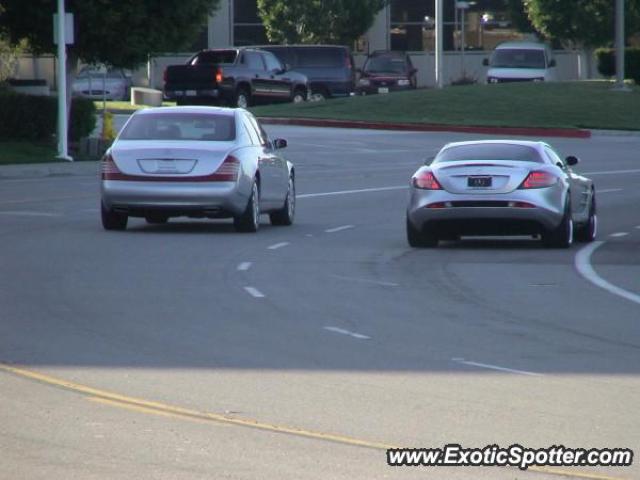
<point x="47" y="170"/>
<point x="524" y="131"/>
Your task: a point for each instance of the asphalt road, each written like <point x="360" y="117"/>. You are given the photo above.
<point x="190" y="351"/>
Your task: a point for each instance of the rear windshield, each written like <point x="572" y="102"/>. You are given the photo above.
<point x="215" y="57"/>
<point x="180" y="126"/>
<point x="517" y="58"/>
<point x="489" y="151"/>
<point x="320" y="57"/>
<point x="385" y="65"/>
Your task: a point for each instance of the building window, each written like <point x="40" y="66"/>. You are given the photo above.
<point x="247" y="25"/>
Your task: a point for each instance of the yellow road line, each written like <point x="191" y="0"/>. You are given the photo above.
<point x="161" y="408"/>
<point x="158" y="408"/>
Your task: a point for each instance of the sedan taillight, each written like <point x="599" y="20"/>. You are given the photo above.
<point x="539" y="179"/>
<point x="426" y="181"/>
<point x="109" y="170"/>
<point x="228" y="171"/>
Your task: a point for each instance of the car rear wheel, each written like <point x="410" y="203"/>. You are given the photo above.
<point x="588" y="231"/>
<point x="285" y="215"/>
<point x="249" y="221"/>
<point x="562" y="236"/>
<point x="418" y="239"/>
<point x="113" y="220"/>
<point x="243" y="98"/>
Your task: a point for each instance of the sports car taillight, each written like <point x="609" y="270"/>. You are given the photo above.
<point x="539" y="179"/>
<point x="109" y="169"/>
<point x="426" y="181"/>
<point x="228" y="171"/>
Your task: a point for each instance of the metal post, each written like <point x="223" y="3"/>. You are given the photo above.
<point x="620" y="86"/>
<point x="439" y="23"/>
<point x="462" y="42"/>
<point x="62" y="85"/>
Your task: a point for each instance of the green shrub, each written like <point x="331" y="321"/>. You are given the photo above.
<point x="34" y="117"/>
<point x="607" y="63"/>
<point x="27" y="117"/>
<point x="83" y="118"/>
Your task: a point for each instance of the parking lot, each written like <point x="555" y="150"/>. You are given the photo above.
<point x="323" y="344"/>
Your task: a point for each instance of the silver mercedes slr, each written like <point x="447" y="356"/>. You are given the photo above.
<point x="500" y="187"/>
<point x="199" y="162"/>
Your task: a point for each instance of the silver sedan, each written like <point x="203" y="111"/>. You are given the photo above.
<point x="500" y="187"/>
<point x="200" y="162"/>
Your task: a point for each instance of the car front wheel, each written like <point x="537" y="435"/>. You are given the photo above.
<point x="249" y="220"/>
<point x="285" y="215"/>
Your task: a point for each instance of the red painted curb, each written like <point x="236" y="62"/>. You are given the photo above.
<point x="425" y="127"/>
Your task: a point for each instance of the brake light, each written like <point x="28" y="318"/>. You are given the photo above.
<point x="426" y="181"/>
<point x="228" y="171"/>
<point x="539" y="179"/>
<point x="219" y="75"/>
<point x="109" y="169"/>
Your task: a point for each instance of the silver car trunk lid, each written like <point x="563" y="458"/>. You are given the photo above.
<point x="169" y="157"/>
<point x="481" y="177"/>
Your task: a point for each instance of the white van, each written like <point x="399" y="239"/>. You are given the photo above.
<point x="521" y="62"/>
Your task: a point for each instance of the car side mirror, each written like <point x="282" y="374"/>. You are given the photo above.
<point x="552" y="62"/>
<point x="572" y="160"/>
<point x="485" y="62"/>
<point x="279" y="143"/>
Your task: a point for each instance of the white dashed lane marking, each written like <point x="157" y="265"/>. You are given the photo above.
<point x="244" y="266"/>
<point x="276" y="246"/>
<point x="338" y="229"/>
<point x="619" y="234"/>
<point x="342" y="331"/>
<point x="254" y="292"/>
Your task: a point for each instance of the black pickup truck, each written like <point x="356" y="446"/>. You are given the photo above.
<point x="233" y="76"/>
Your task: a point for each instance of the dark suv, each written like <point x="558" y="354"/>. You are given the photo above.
<point x="385" y="72"/>
<point x="329" y="68"/>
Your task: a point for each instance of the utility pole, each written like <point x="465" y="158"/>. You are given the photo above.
<point x="439" y="24"/>
<point x="620" y="86"/>
<point x="62" y="83"/>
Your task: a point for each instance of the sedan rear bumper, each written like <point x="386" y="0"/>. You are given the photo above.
<point x="211" y="199"/>
<point x="519" y="212"/>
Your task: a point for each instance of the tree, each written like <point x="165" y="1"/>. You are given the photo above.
<point x="120" y="33"/>
<point x="582" y="23"/>
<point x="318" y="21"/>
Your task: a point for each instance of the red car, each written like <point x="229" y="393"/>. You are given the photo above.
<point x="385" y="72"/>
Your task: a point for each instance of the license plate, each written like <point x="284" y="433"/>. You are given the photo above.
<point x="479" y="181"/>
<point x="190" y="93"/>
<point x="383" y="90"/>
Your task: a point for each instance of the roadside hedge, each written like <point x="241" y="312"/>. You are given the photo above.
<point x="34" y="117"/>
<point x="607" y="63"/>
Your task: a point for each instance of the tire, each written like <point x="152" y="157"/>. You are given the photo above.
<point x="299" y="96"/>
<point x="113" y="220"/>
<point x="562" y="235"/>
<point x="249" y="220"/>
<point x="242" y="98"/>
<point x="156" y="219"/>
<point x="318" y="96"/>
<point x="286" y="214"/>
<point x="588" y="231"/>
<point x="418" y="239"/>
